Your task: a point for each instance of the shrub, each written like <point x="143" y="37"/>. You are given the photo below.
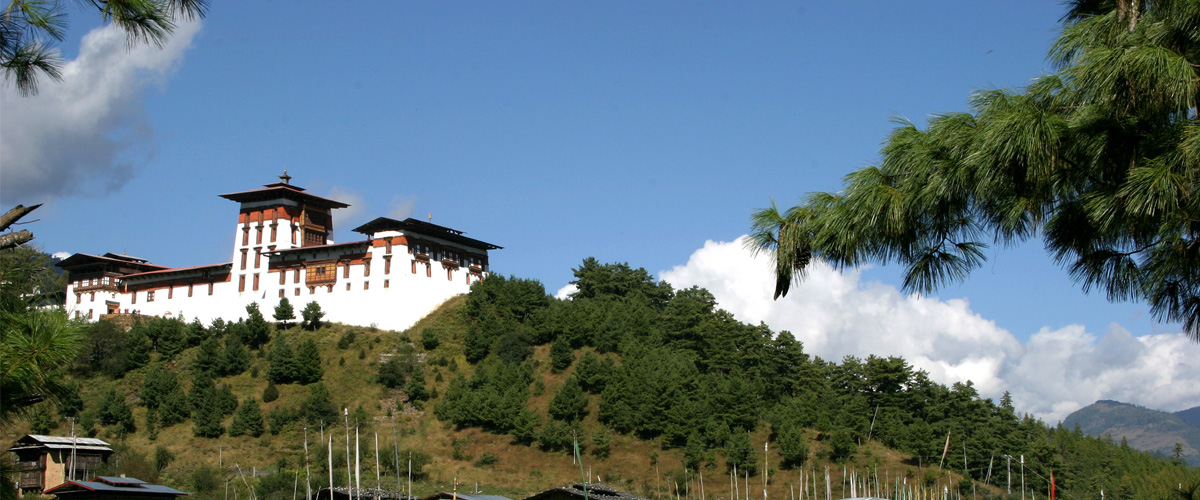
<point x="487" y="459"/>
<point x="429" y="339"/>
<point x="271" y="393"/>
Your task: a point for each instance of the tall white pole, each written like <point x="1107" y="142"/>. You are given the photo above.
<point x="396" y="448"/>
<point x="765" y="469"/>
<point x="74" y="447"/>
<point x="378" y="485"/>
<point x="329" y="454"/>
<point x="357" y="465"/>
<point x="307" y="481"/>
<point x="349" y="473"/>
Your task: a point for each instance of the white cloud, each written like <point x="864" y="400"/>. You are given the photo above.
<point x="401" y="207"/>
<point x="89" y="133"/>
<point x="1056" y="372"/>
<point x="354" y="213"/>
<point x="565" y="292"/>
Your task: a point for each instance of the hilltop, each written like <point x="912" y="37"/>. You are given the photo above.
<point x="1143" y="428"/>
<point x="664" y="393"/>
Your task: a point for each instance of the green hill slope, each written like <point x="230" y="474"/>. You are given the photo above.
<point x="665" y="395"/>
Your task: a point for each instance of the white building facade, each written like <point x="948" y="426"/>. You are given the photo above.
<point x="283" y="248"/>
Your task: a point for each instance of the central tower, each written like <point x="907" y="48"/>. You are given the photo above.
<point x="279" y="216"/>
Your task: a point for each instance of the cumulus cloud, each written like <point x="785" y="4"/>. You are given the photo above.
<point x="1054" y="373"/>
<point x="565" y="292"/>
<point x="89" y="133"/>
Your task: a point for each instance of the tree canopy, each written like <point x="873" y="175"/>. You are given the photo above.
<point x="1099" y="159"/>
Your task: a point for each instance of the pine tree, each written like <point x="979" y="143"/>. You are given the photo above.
<point x="235" y="359"/>
<point x="1098" y="159"/>
<point x="115" y="412"/>
<point x="569" y="403"/>
<point x="308" y="363"/>
<point x="283" y="362"/>
<point x="739" y="451"/>
<point x="601" y="443"/>
<point x="284" y="312"/>
<point x="157" y="385"/>
<point x="196" y="333"/>
<point x="174" y="408"/>
<point x="561" y="356"/>
<point x="225" y="400"/>
<point x="258" y="331"/>
<point x="206" y="417"/>
<point x="792" y="446"/>
<point x="271" y="393"/>
<point x="312" y="315"/>
<point x="137" y="351"/>
<point x="200" y="392"/>
<point x="318" y="407"/>
<point x="248" y="420"/>
<point x="208" y="357"/>
<point x="416" y="386"/>
<point x="592" y="372"/>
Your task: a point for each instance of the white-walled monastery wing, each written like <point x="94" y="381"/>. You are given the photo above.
<point x="283" y="248"/>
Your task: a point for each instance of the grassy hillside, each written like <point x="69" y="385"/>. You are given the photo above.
<point x="675" y="394"/>
<point x="635" y="465"/>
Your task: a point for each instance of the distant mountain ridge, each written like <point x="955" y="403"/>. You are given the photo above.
<point x="1144" y="429"/>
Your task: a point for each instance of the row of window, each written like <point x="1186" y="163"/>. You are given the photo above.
<point x="258" y="234"/>
<point x="93" y="282"/>
<point x="150" y="293"/>
<point x="312" y="289"/>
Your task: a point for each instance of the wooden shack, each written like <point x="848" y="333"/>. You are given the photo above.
<point x="48" y="461"/>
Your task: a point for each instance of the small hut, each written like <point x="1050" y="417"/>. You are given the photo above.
<point x="48" y="461"/>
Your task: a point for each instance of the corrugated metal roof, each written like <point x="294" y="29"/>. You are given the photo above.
<point x="61" y="447"/>
<point x="126" y="485"/>
<point x="466" y="496"/>
<point x="67" y="440"/>
<point x="594" y="491"/>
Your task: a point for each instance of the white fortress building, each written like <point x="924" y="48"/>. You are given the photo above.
<point x="283" y="248"/>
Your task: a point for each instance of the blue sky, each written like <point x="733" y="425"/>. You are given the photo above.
<point x="631" y="132"/>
